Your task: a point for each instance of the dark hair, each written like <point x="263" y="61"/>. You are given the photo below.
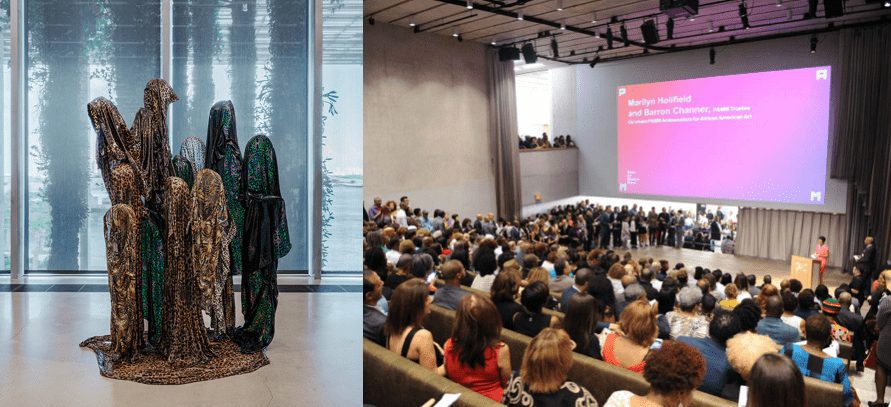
<point x="818" y="329"/>
<point x="823" y="239"/>
<point x="790" y="303"/>
<point x="751" y="279"/>
<point x="821" y="292"/>
<point x="806" y="299"/>
<point x="726" y="279"/>
<point x="477" y="327"/>
<point x="559" y="266"/>
<point x="367" y="285"/>
<point x="674" y="369"/>
<point x="708" y="303"/>
<point x="484" y="261"/>
<point x="421" y="264"/>
<point x="582" y="276"/>
<point x="461" y="254"/>
<point x="376" y="260"/>
<point x="742" y="282"/>
<point x="775" y="381"/>
<point x="582" y="314"/>
<point x="504" y="288"/>
<point x="723" y="327"/>
<point x="535" y="296"/>
<point x="767" y="279"/>
<point x="406" y="306"/>
<point x="795" y="285"/>
<point x="749" y="313"/>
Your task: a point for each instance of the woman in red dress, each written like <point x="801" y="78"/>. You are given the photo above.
<point x="822" y="254"/>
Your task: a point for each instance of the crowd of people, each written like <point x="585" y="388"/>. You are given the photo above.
<point x="582" y="226"/>
<point x="683" y="328"/>
<point x="543" y="142"/>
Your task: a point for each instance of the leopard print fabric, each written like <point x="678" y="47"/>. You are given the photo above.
<point x="112" y="138"/>
<point x="156" y="158"/>
<point x="183" y="337"/>
<point x="209" y="227"/>
<point x="122" y="253"/>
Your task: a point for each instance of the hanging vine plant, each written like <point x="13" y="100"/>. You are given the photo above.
<point x="329" y="101"/>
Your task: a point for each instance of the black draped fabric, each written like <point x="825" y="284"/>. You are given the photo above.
<point x="151" y="123"/>
<point x="221" y="132"/>
<point x="184" y="169"/>
<point x="861" y="148"/>
<point x="266" y="240"/>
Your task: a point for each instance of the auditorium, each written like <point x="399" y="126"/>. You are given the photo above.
<point x="624" y="203"/>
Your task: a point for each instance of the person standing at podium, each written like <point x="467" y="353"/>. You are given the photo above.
<point x="822" y="255"/>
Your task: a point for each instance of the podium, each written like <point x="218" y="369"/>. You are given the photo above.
<point x="802" y="269"/>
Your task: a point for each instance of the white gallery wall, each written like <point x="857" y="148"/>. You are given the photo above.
<point x="427" y="121"/>
<point x="584" y="104"/>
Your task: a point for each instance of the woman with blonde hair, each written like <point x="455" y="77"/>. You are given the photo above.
<point x="542" y="380"/>
<point x="639" y="336"/>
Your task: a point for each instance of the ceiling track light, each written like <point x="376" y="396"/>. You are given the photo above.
<point x="744" y="15"/>
<point x="624" y="33"/>
<point x="412" y="22"/>
<point x="669" y="28"/>
<point x="595" y="61"/>
<point x="814" y="44"/>
<point x="563" y="25"/>
<point x="609" y="37"/>
<point x="371" y="20"/>
<point x="789" y="14"/>
<point x="779" y="3"/>
<point x="520" y="15"/>
<point x="887" y="4"/>
<point x="711" y="26"/>
<point x="494" y="42"/>
<point x="455" y="32"/>
<point x="559" y="5"/>
<point x="470" y="4"/>
<point x="711" y="56"/>
<point x="594" y="19"/>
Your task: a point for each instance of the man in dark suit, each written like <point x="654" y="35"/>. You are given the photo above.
<point x="715" y="232"/>
<point x="603" y="222"/>
<point x="373" y="318"/>
<point x="581" y="285"/>
<point x="866" y="261"/>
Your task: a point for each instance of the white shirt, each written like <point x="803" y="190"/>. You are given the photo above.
<point x="621" y="398"/>
<point x="483" y="283"/>
<point x="793" y="321"/>
<point x="743" y="295"/>
<point x="401" y="218"/>
<point x="393" y="256"/>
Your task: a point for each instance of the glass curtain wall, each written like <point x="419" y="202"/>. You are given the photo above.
<point x="342" y="151"/>
<point x="254" y="53"/>
<point x="534" y="104"/>
<point x="5" y="141"/>
<point x="76" y="51"/>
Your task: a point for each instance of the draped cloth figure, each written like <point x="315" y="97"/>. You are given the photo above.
<point x="122" y="176"/>
<point x="184" y="169"/>
<point x="122" y="253"/>
<point x="210" y="237"/>
<point x="224" y="156"/>
<point x="149" y="133"/>
<point x="266" y="240"/>
<point x="183" y="337"/>
<point x="193" y="150"/>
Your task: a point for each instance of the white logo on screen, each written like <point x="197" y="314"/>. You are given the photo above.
<point x="816" y="196"/>
<point x="822" y="74"/>
<point x="623" y="187"/>
<point x="621" y="91"/>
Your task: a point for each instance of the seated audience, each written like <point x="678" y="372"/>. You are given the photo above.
<point x="773" y="326"/>
<point x="485" y="264"/>
<point x="831" y="309"/>
<point x="687" y="320"/>
<point x="402" y="274"/>
<point x="504" y="294"/>
<point x="450" y="294"/>
<point x="806" y="304"/>
<point x="754" y="290"/>
<point x="790" y="304"/>
<point x="742" y="285"/>
<point x="542" y="378"/>
<point x="403" y="330"/>
<point x="811" y="359"/>
<point x="638" y="336"/>
<point x="674" y="372"/>
<point x="475" y="357"/>
<point x="373" y="318"/>
<point x="714" y="349"/>
<point x="564" y="278"/>
<point x="582" y="276"/>
<point x="615" y="274"/>
<point x="580" y="322"/>
<point x="730" y="292"/>
<point x="775" y="381"/>
<point x="744" y="349"/>
<point x="749" y="314"/>
<point x="532" y="321"/>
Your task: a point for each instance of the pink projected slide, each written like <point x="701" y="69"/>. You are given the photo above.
<point x="755" y="137"/>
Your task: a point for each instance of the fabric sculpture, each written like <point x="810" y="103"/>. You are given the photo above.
<point x="193" y="150"/>
<point x="122" y="251"/>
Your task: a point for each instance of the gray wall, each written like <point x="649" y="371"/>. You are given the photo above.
<point x="427" y="121"/>
<point x="590" y="93"/>
<point x="553" y="174"/>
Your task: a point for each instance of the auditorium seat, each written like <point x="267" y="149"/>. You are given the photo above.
<point x="602" y="379"/>
<point x="391" y="380"/>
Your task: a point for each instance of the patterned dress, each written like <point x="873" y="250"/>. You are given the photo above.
<point x="223" y="155"/>
<point x="122" y="253"/>
<point x="183" y="337"/>
<point x="183" y="168"/>
<point x="193" y="149"/>
<point x="122" y="176"/>
<point x="210" y="235"/>
<point x="266" y="240"/>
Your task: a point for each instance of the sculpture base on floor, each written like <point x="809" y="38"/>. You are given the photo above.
<point x="151" y="368"/>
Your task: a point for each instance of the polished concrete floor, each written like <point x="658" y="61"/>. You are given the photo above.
<point x="316" y="356"/>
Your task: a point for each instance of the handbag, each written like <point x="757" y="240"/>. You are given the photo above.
<point x="870" y="361"/>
